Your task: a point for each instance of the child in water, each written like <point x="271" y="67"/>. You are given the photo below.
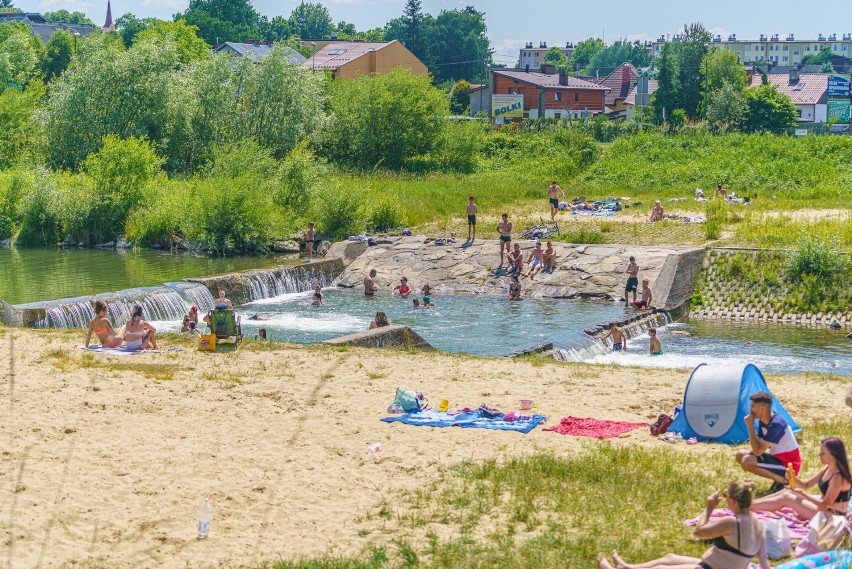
<point x="318" y="298"/>
<point x="655" y="348"/>
<point x="427" y="296"/>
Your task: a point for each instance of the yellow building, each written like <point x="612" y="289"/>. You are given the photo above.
<point x="352" y="59"/>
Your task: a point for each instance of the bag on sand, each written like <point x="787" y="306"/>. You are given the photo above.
<point x="827" y="532"/>
<point x="661" y="425"/>
<point x="409" y="400"/>
<point x="777" y="539"/>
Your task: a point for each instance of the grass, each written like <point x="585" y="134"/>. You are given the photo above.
<point x="548" y="511"/>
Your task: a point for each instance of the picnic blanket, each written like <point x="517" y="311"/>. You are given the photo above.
<point x="593" y="213"/>
<point x="120" y="351"/>
<point x="599" y="429"/>
<point x="798" y="528"/>
<point x="473" y="419"/>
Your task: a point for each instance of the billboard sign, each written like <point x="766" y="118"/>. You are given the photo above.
<point x="507" y="106"/>
<point x="839" y="110"/>
<point x="838" y="86"/>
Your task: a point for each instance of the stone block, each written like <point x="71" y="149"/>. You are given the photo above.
<point x="393" y="336"/>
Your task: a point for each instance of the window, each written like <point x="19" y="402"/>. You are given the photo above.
<point x="557" y="96"/>
<point x="786" y="48"/>
<point x="845" y="46"/>
<point x="557" y="115"/>
<point x="795" y="53"/>
<point x="798" y="113"/>
<point x="337" y="52"/>
<point x="511" y="90"/>
<point x="807" y="47"/>
<point x="576" y="97"/>
<point x="784" y="58"/>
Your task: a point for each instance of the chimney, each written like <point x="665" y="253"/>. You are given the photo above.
<point x="794" y="75"/>
<point x="625" y="75"/>
<point x="563" y="78"/>
<point x="548" y="69"/>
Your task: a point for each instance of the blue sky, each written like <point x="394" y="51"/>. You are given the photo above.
<point x="511" y="23"/>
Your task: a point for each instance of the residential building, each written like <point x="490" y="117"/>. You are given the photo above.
<point x="352" y="59"/>
<point x="533" y="57"/>
<point x="809" y="92"/>
<point x="774" y="48"/>
<point x="548" y="94"/>
<point x="630" y="100"/>
<point x="619" y="83"/>
<point x="257" y="51"/>
<point x="41" y="27"/>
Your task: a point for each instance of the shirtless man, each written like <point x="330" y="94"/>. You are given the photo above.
<point x="632" y="280"/>
<point x="505" y="231"/>
<point x="655" y="348"/>
<point x="619" y="340"/>
<point x="516" y="261"/>
<point x="471" y="219"/>
<point x="645" y="302"/>
<point x="720" y="191"/>
<point x="370" y="287"/>
<point x="222" y="301"/>
<point x="309" y="241"/>
<point x="102" y="328"/>
<point x="553" y="191"/>
<point x="549" y="257"/>
<point x="535" y="260"/>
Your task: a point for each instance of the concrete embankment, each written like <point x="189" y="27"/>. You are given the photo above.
<point x="582" y="271"/>
<point x="393" y="336"/>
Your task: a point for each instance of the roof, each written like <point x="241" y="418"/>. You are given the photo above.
<point x="335" y="54"/>
<point x="259" y="51"/>
<point x="810" y="89"/>
<point x="615" y="81"/>
<point x="548" y="81"/>
<point x="631" y="96"/>
<point x="42" y="28"/>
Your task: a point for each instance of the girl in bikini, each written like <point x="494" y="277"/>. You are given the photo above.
<point x="736" y="539"/>
<point x="138" y="334"/>
<point x="833" y="480"/>
<point x="403" y="288"/>
<point x="102" y="328"/>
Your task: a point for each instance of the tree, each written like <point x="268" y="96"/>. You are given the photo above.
<point x="20" y="55"/>
<point x="556" y="57"/>
<point x="6" y="5"/>
<point x="667" y="97"/>
<point x="460" y="97"/>
<point x="220" y="21"/>
<point x="458" y="46"/>
<point x="608" y="59"/>
<point x="20" y="133"/>
<point x="722" y="67"/>
<point x="769" y="110"/>
<point x="384" y="120"/>
<point x="189" y="46"/>
<point x="345" y="30"/>
<point x="311" y="21"/>
<point x="60" y="48"/>
<point x="727" y="108"/>
<point x="583" y="53"/>
<point x="66" y="17"/>
<point x="278" y="28"/>
<point x="129" y="25"/>
<point x="823" y="56"/>
<point x="692" y="48"/>
<point x="413" y="17"/>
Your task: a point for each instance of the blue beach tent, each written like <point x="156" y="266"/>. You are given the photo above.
<point x="715" y="401"/>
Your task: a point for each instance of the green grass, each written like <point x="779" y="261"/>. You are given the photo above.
<point x="547" y="511"/>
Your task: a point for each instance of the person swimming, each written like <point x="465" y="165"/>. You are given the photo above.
<point x="655" y="347"/>
<point x="317" y="299"/>
<point x="403" y="288"/>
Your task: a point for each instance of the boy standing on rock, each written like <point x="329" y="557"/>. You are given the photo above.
<point x="505" y="231"/>
<point x="632" y="280"/>
<point x="471" y="219"/>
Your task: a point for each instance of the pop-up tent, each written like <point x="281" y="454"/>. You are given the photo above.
<point x="716" y="400"/>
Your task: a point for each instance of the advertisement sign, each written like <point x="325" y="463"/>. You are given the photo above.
<point x="801" y="132"/>
<point x="839" y="110"/>
<point x="507" y="106"/>
<point x="838" y="86"/>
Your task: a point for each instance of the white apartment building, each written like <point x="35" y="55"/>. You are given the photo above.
<point x="774" y="48"/>
<point x="533" y="57"/>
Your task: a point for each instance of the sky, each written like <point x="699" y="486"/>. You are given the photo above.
<point x="511" y="23"/>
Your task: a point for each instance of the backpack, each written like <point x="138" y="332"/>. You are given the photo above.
<point x="661" y="425"/>
<point x="409" y="400"/>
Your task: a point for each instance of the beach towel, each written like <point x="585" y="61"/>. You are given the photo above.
<point x="593" y="213"/>
<point x="595" y="428"/>
<point x="467" y="419"/>
<point x="120" y="351"/>
<point x="798" y="528"/>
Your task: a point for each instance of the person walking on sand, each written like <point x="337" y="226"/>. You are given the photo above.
<point x="553" y="192"/>
<point x="619" y="340"/>
<point x="632" y="280"/>
<point x="504" y="228"/>
<point x="645" y="302"/>
<point x="309" y="241"/>
<point x="471" y="219"/>
<point x="549" y="257"/>
<point x="535" y="260"/>
<point x="370" y="287"/>
<point x="654" y="347"/>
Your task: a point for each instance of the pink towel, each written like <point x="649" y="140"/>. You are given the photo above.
<point x="798" y="528"/>
<point x="596" y="428"/>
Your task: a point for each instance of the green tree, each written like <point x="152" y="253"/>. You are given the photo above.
<point x="584" y="52"/>
<point x="220" y="21"/>
<point x="59" y="50"/>
<point x="727" y="108"/>
<point x="21" y="134"/>
<point x="189" y="46"/>
<point x="311" y="21"/>
<point x="278" y="28"/>
<point x="667" y="97"/>
<point x="557" y="58"/>
<point x="413" y="17"/>
<point x="608" y="59"/>
<point x="460" y="97"/>
<point x="458" y="45"/>
<point x="721" y="67"/>
<point x="6" y="5"/>
<point x="345" y="30"/>
<point x="769" y="110"/>
<point x="824" y="55"/>
<point x="20" y="55"/>
<point x="692" y="48"/>
<point x="383" y="120"/>
<point x="129" y="25"/>
<point x="66" y="17"/>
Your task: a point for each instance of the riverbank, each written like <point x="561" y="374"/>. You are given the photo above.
<point x="107" y="460"/>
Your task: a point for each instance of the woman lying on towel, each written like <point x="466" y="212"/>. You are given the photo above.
<point x="834" y="482"/>
<point x="736" y="539"/>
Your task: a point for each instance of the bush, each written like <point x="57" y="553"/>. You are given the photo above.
<point x="11" y="193"/>
<point x="712" y="229"/>
<point x="41" y="209"/>
<point x="583" y="236"/>
<point x="340" y="214"/>
<point x="385" y="216"/>
<point x="299" y="172"/>
<point x="820" y="259"/>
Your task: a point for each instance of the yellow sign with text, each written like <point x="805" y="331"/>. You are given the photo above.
<point x="507" y="106"/>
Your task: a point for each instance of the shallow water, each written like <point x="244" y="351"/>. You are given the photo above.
<point x="31" y="275"/>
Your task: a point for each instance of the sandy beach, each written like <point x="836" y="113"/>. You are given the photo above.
<point x="106" y="460"/>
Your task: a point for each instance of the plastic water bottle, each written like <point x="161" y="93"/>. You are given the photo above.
<point x="204" y="520"/>
<point x="374" y="448"/>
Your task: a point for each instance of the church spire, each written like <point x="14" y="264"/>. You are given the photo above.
<point x="109" y="25"/>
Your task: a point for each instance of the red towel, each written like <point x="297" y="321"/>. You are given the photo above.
<point x="596" y="428"/>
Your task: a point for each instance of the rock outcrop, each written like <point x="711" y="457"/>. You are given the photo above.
<point x="393" y="336"/>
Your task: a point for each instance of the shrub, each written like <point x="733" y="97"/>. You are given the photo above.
<point x="340" y="214"/>
<point x="385" y="216"/>
<point x="41" y="209"/>
<point x="583" y="236"/>
<point x="11" y="193"/>
<point x="712" y="229"/>
<point x="299" y="173"/>
<point x="820" y="259"/>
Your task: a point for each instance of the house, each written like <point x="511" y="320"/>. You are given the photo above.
<point x="619" y="83"/>
<point x="257" y="51"/>
<point x="350" y="59"/>
<point x="41" y="27"/>
<point x="630" y="101"/>
<point x="533" y="58"/>
<point x="548" y="94"/>
<point x="809" y="92"/>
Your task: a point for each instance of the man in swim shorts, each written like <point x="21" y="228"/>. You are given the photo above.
<point x="772" y="442"/>
<point x="309" y="241"/>
<point x="471" y="219"/>
<point x="516" y="261"/>
<point x="553" y="191"/>
<point x="370" y="287"/>
<point x="619" y="340"/>
<point x="549" y="257"/>
<point x="535" y="260"/>
<point x="505" y="231"/>
<point x="632" y="280"/>
<point x="655" y="348"/>
<point x="645" y="301"/>
<point x="223" y="303"/>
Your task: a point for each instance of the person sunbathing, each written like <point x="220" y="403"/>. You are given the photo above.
<point x="101" y="327"/>
<point x="138" y="334"/>
<point x="833" y="480"/>
<point x="657" y="212"/>
<point x="736" y="539"/>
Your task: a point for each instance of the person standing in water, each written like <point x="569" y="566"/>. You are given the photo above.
<point x="553" y="191"/>
<point x="619" y="340"/>
<point x="645" y="302"/>
<point x="655" y="348"/>
<point x="370" y="287"/>
<point x="318" y="299"/>
<point x="505" y="231"/>
<point x="515" y="288"/>
<point x="471" y="218"/>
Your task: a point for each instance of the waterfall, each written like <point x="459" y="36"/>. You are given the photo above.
<point x="583" y="349"/>
<point x="269" y="283"/>
<point x="195" y="294"/>
<point x="158" y="303"/>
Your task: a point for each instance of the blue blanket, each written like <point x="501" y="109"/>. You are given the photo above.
<point x="474" y="419"/>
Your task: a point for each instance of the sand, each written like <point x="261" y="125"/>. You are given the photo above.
<point x="109" y="467"/>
